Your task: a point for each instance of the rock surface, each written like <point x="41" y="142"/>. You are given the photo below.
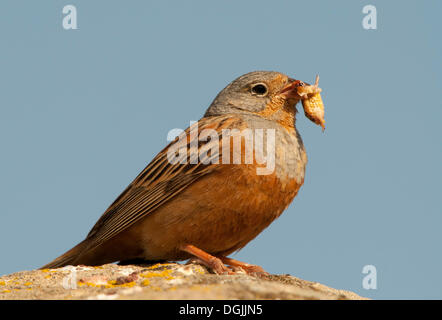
<point x="160" y="281"/>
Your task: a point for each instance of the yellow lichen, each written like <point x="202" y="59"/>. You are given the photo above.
<point x="90" y="284"/>
<point x="155" y="266"/>
<point x="161" y="274"/>
<point x="200" y="270"/>
<point x="27" y="283"/>
<point x="159" y="265"/>
<point x="108" y="285"/>
<point x="6" y="291"/>
<point x="113" y="284"/>
<point x="127" y="285"/>
<point x="2" y="283"/>
<point x="145" y="282"/>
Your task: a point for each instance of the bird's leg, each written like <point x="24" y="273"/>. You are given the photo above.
<point x="206" y="259"/>
<point x="250" y="269"/>
<point x="218" y="263"/>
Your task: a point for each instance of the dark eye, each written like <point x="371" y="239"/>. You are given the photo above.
<point x="259" y="89"/>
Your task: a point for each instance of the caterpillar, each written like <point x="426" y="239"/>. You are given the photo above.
<point x="312" y="102"/>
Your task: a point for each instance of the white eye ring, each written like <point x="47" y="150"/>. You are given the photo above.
<point x="259" y="89"/>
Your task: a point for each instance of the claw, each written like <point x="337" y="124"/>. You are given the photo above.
<point x="218" y="264"/>
<point x="249" y="269"/>
<point x="206" y="259"/>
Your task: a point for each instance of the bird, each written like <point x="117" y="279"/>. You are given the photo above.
<point x="202" y="197"/>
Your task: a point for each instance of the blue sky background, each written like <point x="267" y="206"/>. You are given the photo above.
<point x="83" y="111"/>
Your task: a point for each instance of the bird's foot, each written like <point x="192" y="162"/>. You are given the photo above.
<point x="249" y="269"/>
<point x="218" y="267"/>
<point x="218" y="264"/>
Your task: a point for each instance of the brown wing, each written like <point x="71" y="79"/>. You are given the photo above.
<point x="157" y="184"/>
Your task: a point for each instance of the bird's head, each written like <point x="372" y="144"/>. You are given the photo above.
<point x="269" y="94"/>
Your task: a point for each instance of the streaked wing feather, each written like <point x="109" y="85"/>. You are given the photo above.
<point x="157" y="184"/>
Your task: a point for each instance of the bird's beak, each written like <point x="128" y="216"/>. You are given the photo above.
<point x="290" y="91"/>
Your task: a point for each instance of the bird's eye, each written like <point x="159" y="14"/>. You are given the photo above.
<point x="259" y="89"/>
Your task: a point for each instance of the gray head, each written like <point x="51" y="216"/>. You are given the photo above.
<point x="254" y="92"/>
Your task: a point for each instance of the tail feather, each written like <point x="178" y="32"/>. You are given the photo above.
<point x="67" y="258"/>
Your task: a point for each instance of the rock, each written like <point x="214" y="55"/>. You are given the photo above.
<point x="160" y="281"/>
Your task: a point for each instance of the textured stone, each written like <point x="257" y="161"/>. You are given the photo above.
<point x="160" y="281"/>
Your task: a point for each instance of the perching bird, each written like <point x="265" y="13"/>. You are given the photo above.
<point x="194" y="200"/>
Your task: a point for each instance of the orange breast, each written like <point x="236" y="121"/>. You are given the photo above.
<point x="219" y="213"/>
